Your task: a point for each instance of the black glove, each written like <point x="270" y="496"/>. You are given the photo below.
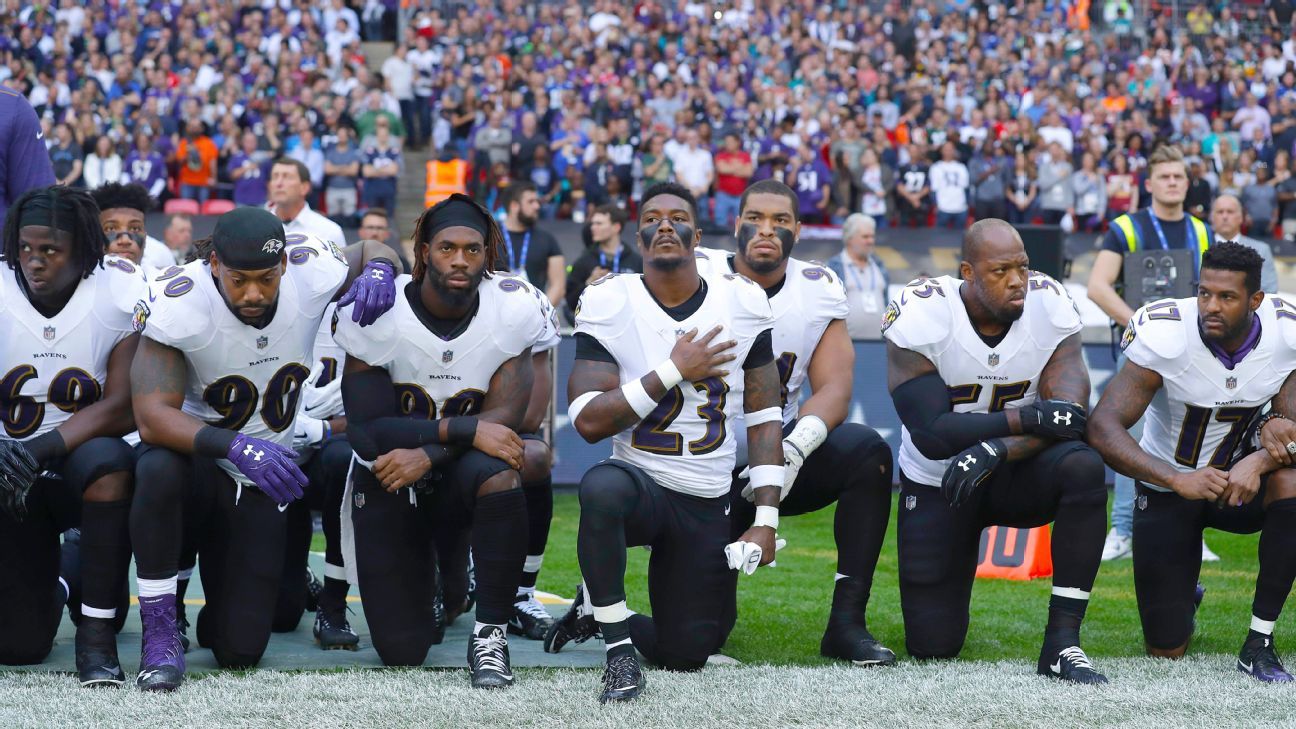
<point x="18" y="471"/>
<point x="969" y="469"/>
<point x="1057" y="419"/>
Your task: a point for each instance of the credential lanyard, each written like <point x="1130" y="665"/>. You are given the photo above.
<point x="526" y="246"/>
<point x="616" y="261"/>
<point x="1188" y="236"/>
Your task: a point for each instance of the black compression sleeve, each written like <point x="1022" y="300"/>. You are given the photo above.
<point x="761" y="352"/>
<point x="370" y="401"/>
<point x="45" y="448"/>
<point x="213" y="442"/>
<point x="923" y="405"/>
<point x="587" y="347"/>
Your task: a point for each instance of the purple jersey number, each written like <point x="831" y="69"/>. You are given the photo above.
<point x="653" y="434"/>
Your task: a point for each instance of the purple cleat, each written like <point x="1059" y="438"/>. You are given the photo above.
<point x="1259" y="660"/>
<point x="162" y="661"/>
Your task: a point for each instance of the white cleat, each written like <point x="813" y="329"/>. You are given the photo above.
<point x="1207" y="554"/>
<point x="1119" y="546"/>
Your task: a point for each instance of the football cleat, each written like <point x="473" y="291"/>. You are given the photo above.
<point x="182" y="622"/>
<point x="333" y="632"/>
<point x="573" y="627"/>
<point x="1069" y="664"/>
<point x="314" y="588"/>
<point x="96" y="653"/>
<point x="623" y="679"/>
<point x="1207" y="554"/>
<point x="1260" y="661"/>
<point x="1117" y="546"/>
<point x="162" y="662"/>
<point x="488" y="659"/>
<point x="855" y="644"/>
<point x="530" y="619"/>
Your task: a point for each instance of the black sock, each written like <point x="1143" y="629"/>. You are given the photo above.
<point x="849" y="603"/>
<point x="859" y="528"/>
<point x="105" y="551"/>
<point x="616" y="637"/>
<point x="539" y="497"/>
<point x="499" y="539"/>
<point x="1277" y="559"/>
<point x="335" y="592"/>
<point x="1064" y="618"/>
<point x="1255" y="636"/>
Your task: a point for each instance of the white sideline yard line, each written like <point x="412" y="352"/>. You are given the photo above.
<point x="1198" y="691"/>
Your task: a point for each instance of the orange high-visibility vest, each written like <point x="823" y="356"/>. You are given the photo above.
<point x="444" y="179"/>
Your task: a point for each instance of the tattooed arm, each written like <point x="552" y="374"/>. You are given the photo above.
<point x="1123" y="402"/>
<point x="764" y="441"/>
<point x="158" y="378"/>
<point x="509" y="393"/>
<point x="1065" y="377"/>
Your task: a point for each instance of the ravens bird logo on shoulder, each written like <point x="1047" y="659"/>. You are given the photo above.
<point x="140" y="316"/>
<point x="1128" y="337"/>
<point x="890" y="315"/>
<point x="333" y="324"/>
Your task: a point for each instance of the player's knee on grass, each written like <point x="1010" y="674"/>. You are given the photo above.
<point x="1080" y="473"/>
<point x="607" y="489"/>
<point x="535" y="460"/>
<point x="687" y="647"/>
<point x="102" y="469"/>
<point x="1168" y="627"/>
<point x="236" y="660"/>
<point x="403" y="648"/>
<point x="939" y="635"/>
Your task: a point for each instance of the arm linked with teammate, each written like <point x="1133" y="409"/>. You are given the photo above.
<point x="763" y="390"/>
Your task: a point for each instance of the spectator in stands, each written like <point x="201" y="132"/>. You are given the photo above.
<point x="733" y="168"/>
<point x="526" y="140"/>
<point x="657" y="166"/>
<point x="66" y="157"/>
<point x="608" y="254"/>
<point x="913" y="189"/>
<point x="529" y="251"/>
<point x="1260" y="201"/>
<point x="145" y="166"/>
<point x="875" y="183"/>
<point x="494" y="141"/>
<point x="398" y="74"/>
<point x="289" y="187"/>
<point x="1089" y="191"/>
<point x="382" y="166"/>
<point x="989" y="171"/>
<point x="306" y="149"/>
<point x="546" y="181"/>
<point x="844" y="194"/>
<point x="695" y="170"/>
<point x="812" y="180"/>
<point x="374" y="225"/>
<point x="1226" y="219"/>
<point x="1023" y="190"/>
<point x="197" y="155"/>
<point x="342" y="170"/>
<point x="103" y="165"/>
<point x="1199" y="195"/>
<point x="950" y="183"/>
<point x="864" y="276"/>
<point x="1056" y="196"/>
<point x="248" y="169"/>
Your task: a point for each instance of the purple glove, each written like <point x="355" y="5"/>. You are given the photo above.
<point x="373" y="292"/>
<point x="270" y="466"/>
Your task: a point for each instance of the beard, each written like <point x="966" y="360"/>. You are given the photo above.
<point x="665" y="264"/>
<point x="747" y="233"/>
<point x="454" y="297"/>
<point x="526" y="220"/>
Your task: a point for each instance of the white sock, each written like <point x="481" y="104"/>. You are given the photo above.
<point x="335" y="572"/>
<point x="1072" y="592"/>
<point x="477" y="627"/>
<point x="525" y="593"/>
<point x="153" y="588"/>
<point x="533" y="563"/>
<point x="840" y="576"/>
<point x="1262" y="626"/>
<point x="185" y="573"/>
<point x="607" y="647"/>
<point x="93" y="612"/>
<point x="614" y="613"/>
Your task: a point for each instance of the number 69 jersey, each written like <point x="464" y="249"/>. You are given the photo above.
<point x="240" y="377"/>
<point x="1204" y="410"/>
<point x="929" y="318"/>
<point x="436" y="377"/>
<point x="687" y="443"/>
<point x="52" y="367"/>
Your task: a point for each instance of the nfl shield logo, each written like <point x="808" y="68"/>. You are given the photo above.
<point x="1142" y="502"/>
<point x="911" y="502"/>
<point x="49" y="334"/>
<point x="262" y="342"/>
<point x="446" y="356"/>
<point x="359" y="501"/>
<point x="993" y="360"/>
<point x="1231" y="383"/>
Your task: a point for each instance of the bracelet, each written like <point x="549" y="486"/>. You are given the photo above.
<point x="328" y="430"/>
<point x="767" y="516"/>
<point x="1271" y="415"/>
<point x="668" y="373"/>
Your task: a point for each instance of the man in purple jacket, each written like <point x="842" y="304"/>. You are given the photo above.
<point x="24" y="162"/>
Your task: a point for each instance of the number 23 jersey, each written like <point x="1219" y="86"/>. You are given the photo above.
<point x="929" y="318"/>
<point x="239" y="377"/>
<point x="1204" y="409"/>
<point x="53" y="367"/>
<point x="687" y="443"/>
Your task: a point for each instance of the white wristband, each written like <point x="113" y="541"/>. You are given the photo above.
<point x="810" y="433"/>
<point x="668" y="373"/>
<point x="577" y="405"/>
<point x="767" y="516"/>
<point x="638" y="398"/>
<point x="766" y="415"/>
<point x="760" y="476"/>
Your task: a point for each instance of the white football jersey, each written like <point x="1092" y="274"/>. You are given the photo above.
<point x="688" y="442"/>
<point x="437" y="377"/>
<point x="809" y="300"/>
<point x="929" y="318"/>
<point x="326" y="350"/>
<point x="53" y="367"/>
<point x="240" y="377"/>
<point x="1203" y="411"/>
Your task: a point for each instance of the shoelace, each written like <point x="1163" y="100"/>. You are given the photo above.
<point x="1076" y="656"/>
<point x="532" y="607"/>
<point x="489" y="652"/>
<point x="165" y="650"/>
<point x="1267" y="658"/>
<point x="620" y="673"/>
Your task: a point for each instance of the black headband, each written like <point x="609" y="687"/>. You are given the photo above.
<point x="455" y="212"/>
<point x="248" y="239"/>
<point x="47" y="210"/>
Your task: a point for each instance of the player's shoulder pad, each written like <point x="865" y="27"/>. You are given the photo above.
<point x="921" y="314"/>
<point x="711" y="261"/>
<point x="1157" y="332"/>
<point x="748" y="298"/>
<point x="322" y="260"/>
<point x="1059" y="308"/>
<point x="603" y="304"/>
<point x="820" y="287"/>
<point x="520" y="311"/>
<point x="1283" y="311"/>
<point x="121" y="285"/>
<point x="375" y="343"/>
<point x="173" y="312"/>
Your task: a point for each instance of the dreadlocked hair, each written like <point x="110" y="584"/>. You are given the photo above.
<point x="201" y="251"/>
<point x="88" y="239"/>
<point x="423" y="238"/>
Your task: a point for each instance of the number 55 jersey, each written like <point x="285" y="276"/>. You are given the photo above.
<point x="1205" y="409"/>
<point x="687" y="443"/>
<point x="240" y="377"/>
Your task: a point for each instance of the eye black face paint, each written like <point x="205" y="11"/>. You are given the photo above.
<point x="683" y="230"/>
<point x="647" y="233"/>
<point x="747" y="233"/>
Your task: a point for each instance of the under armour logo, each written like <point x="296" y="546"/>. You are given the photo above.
<point x="966" y="463"/>
<point x="250" y="451"/>
<point x="376" y="274"/>
<point x="1061" y="418"/>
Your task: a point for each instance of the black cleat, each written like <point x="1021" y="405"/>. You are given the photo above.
<point x="1069" y="664"/>
<point x="333" y="632"/>
<point x="573" y="627"/>
<point x="623" y="679"/>
<point x="96" y="653"/>
<point x="314" y="588"/>
<point x="855" y="644"/>
<point x="488" y="659"/>
<point x="1260" y="661"/>
<point x="530" y="619"/>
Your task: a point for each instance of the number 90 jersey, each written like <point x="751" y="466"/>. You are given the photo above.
<point x="1204" y="410"/>
<point x="687" y="443"/>
<point x="929" y="318"/>
<point x="240" y="377"/>
<point x="52" y="367"/>
<point x="437" y="377"/>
